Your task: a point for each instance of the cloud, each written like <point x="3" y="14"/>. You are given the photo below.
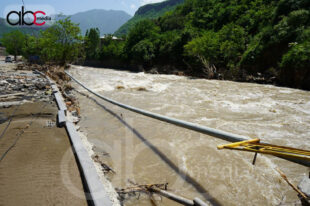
<point x="133" y="6"/>
<point x="143" y="2"/>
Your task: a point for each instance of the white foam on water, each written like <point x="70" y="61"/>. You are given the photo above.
<point x="286" y="91"/>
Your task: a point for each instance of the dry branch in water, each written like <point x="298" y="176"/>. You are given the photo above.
<point x="136" y="190"/>
<point x="293" y="186"/>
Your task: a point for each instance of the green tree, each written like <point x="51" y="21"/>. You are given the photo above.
<point x="170" y="49"/>
<point x="144" y="52"/>
<point x="206" y="48"/>
<point x="31" y="46"/>
<point x="298" y="57"/>
<point x="92" y="43"/>
<point x="143" y="30"/>
<point x="112" y="49"/>
<point x="232" y="44"/>
<point x="13" y="42"/>
<point x="62" y="42"/>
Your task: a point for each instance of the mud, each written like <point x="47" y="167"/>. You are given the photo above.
<point x="31" y="173"/>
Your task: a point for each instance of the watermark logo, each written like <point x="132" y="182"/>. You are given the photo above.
<point x="32" y="16"/>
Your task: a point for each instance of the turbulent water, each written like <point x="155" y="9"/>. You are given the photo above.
<point x="148" y="151"/>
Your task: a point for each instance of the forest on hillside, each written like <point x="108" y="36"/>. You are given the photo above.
<point x="265" y="41"/>
<point x="229" y="39"/>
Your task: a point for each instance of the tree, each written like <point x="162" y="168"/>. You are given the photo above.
<point x="298" y="57"/>
<point x="31" y="46"/>
<point x="13" y="42"/>
<point x="92" y="43"/>
<point x="206" y="49"/>
<point x="111" y="49"/>
<point x="232" y="44"/>
<point x="143" y="52"/>
<point x="62" y="42"/>
<point x="143" y="30"/>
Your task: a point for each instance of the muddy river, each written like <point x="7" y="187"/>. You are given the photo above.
<point x="147" y="151"/>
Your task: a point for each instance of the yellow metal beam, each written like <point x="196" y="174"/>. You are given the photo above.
<point x="253" y="145"/>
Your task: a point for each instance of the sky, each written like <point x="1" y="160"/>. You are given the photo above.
<point x="69" y="7"/>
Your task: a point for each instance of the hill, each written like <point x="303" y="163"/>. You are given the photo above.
<point x="5" y="29"/>
<point x="107" y="21"/>
<point x="149" y="11"/>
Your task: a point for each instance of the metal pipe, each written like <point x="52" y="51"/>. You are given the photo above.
<point x="173" y="197"/>
<point x="188" y="125"/>
<point x="198" y="128"/>
<point x="179" y="199"/>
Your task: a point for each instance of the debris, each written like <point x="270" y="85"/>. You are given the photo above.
<point x="20" y="86"/>
<point x="304" y="197"/>
<point x="141" y="89"/>
<point x="159" y="189"/>
<point x="120" y="87"/>
<point x="105" y="167"/>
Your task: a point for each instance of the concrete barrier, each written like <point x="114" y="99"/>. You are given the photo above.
<point x="95" y="187"/>
<point x="96" y="193"/>
<point x="61" y="118"/>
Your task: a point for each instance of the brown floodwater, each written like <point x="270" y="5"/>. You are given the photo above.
<point x="148" y="151"/>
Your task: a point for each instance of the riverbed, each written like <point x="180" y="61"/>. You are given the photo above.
<point x="148" y="151"/>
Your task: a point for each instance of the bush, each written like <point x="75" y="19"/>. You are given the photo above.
<point x="298" y="57"/>
<point x="206" y="46"/>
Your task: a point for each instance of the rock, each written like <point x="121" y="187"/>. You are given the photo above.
<point x="120" y="87"/>
<point x="304" y="185"/>
<point x="49" y="92"/>
<point x="141" y="89"/>
<point x="27" y="85"/>
<point x="3" y="118"/>
<point x="9" y="104"/>
<point x="153" y="71"/>
<point x="40" y="85"/>
<point x="3" y="83"/>
<point x="11" y="81"/>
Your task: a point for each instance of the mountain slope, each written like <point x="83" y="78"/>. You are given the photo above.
<point x="149" y="11"/>
<point x="106" y="21"/>
<point x="4" y="28"/>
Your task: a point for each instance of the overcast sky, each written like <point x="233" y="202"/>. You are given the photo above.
<point x="73" y="6"/>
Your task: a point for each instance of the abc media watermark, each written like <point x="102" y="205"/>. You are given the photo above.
<point x="32" y="15"/>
